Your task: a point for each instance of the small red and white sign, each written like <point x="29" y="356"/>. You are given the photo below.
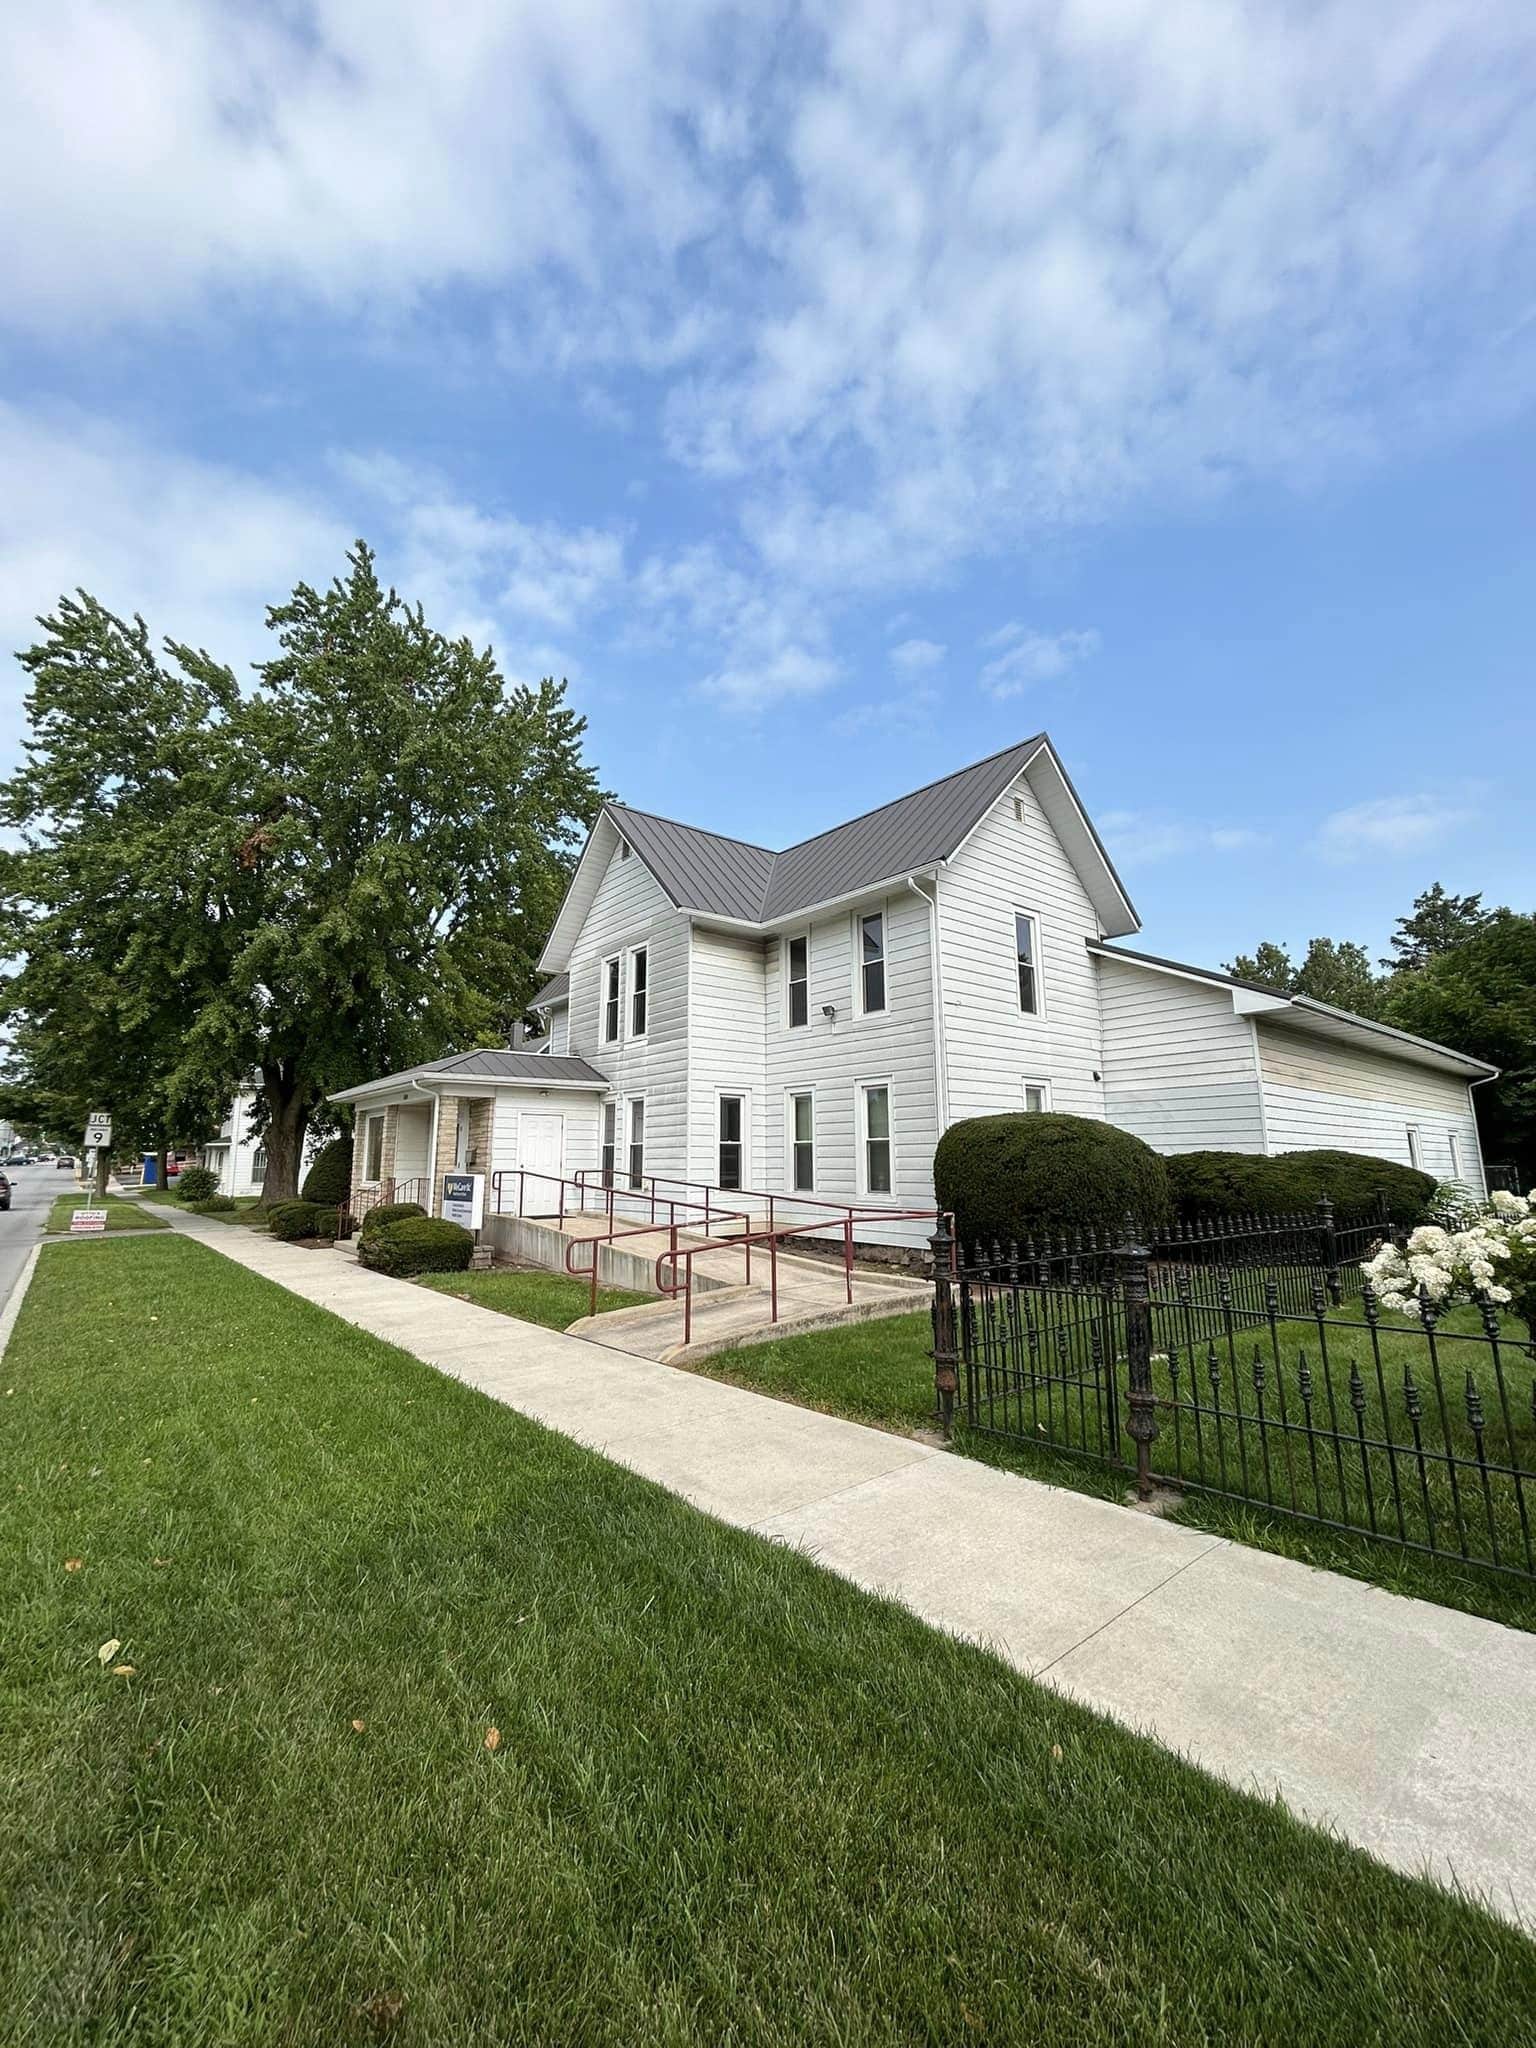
<point x="83" y="1221"/>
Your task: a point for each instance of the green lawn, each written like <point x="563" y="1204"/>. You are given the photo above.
<point x="553" y="1299"/>
<point x="733" y="1800"/>
<point x="247" y="1208"/>
<point x="121" y="1214"/>
<point x="881" y="1373"/>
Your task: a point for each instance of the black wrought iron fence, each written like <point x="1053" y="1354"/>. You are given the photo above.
<point x="1420" y="1432"/>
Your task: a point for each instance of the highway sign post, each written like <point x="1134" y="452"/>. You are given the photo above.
<point x="98" y="1130"/>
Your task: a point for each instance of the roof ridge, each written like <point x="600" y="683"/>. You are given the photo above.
<point x="906" y="796"/>
<point x="682" y="825"/>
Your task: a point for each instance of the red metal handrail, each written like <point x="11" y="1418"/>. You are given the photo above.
<point x="771" y="1237"/>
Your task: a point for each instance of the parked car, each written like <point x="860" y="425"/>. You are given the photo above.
<point x="5" y="1192"/>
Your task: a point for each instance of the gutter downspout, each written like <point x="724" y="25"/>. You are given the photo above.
<point x="1477" y="1135"/>
<point x="936" y="982"/>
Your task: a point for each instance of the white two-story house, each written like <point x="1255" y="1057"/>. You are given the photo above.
<point x="808" y="1022"/>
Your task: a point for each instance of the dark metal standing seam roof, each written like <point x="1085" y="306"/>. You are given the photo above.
<point x="556" y="990"/>
<point x="730" y="878"/>
<point x="699" y="870"/>
<point x="492" y="1064"/>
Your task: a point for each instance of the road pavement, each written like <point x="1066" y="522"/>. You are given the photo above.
<point x="33" y="1190"/>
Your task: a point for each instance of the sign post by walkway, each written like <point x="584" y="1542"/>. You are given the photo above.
<point x="464" y="1199"/>
<point x="98" y="1142"/>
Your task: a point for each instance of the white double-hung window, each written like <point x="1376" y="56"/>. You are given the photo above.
<point x="639" y="990"/>
<point x="870" y="928"/>
<point x="797" y="980"/>
<point x="611" y="999"/>
<point x="1026" y="947"/>
<point x="875" y="1137"/>
<point x="802" y="1142"/>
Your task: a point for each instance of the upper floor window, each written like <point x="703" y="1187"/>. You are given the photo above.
<point x="639" y="990"/>
<point x="1037" y="1095"/>
<point x="611" y="1001"/>
<point x="797" y="976"/>
<point x="1026" y="945"/>
<point x="872" y="961"/>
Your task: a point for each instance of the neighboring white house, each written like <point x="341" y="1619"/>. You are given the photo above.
<point x="236" y="1153"/>
<point x="809" y="1021"/>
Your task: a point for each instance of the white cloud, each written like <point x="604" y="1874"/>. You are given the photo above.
<point x="1141" y="838"/>
<point x="917" y="657"/>
<point x="910" y="713"/>
<point x="751" y="681"/>
<point x="1028" y="657"/>
<point x="1391" y="824"/>
<point x="198" y="548"/>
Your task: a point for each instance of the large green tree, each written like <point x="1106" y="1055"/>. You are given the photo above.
<point x="1336" y="971"/>
<point x="1437" y="922"/>
<point x="1480" y="997"/>
<point x="341" y="872"/>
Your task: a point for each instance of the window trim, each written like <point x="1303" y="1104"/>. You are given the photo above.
<point x="792" y="1143"/>
<point x="861" y="1090"/>
<point x="636" y="953"/>
<point x="616" y="962"/>
<point x="634" y="1183"/>
<point x="744" y="1097"/>
<point x="608" y="1148"/>
<point x="1036" y="1081"/>
<point x="790" y="939"/>
<point x="1453" y="1145"/>
<point x="1415" y="1147"/>
<point x="882" y="911"/>
<point x="1037" y="1014"/>
<point x="372" y="1180"/>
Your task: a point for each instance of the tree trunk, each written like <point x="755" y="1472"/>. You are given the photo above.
<point x="162" y="1161"/>
<point x="103" y="1169"/>
<point x="283" y="1138"/>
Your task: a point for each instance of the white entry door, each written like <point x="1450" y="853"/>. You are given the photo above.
<point x="541" y="1143"/>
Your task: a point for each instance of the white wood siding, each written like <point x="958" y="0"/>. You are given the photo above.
<point x="1320" y="1093"/>
<point x="631" y="909"/>
<point x="582" y="1140"/>
<point x="1180" y="1070"/>
<point x="831" y="1057"/>
<point x="1010" y="864"/>
<point x="560" y="1030"/>
<point x="725" y="1048"/>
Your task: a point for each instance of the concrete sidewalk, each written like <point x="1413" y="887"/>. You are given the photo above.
<point x="1404" y="1726"/>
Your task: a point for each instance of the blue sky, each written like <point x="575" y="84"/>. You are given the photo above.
<point x="834" y="393"/>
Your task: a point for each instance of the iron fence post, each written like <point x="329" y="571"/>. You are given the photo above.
<point x="1328" y="1249"/>
<point x="946" y="1376"/>
<point x="1141" y="1406"/>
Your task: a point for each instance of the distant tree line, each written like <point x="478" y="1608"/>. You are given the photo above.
<point x="339" y="872"/>
<point x="1457" y="973"/>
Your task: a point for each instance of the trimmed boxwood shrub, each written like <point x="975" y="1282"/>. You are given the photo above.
<point x="290" y="1220"/>
<point x="196" y="1184"/>
<point x="387" y="1212"/>
<point x="1235" y="1183"/>
<point x="417" y="1244"/>
<point x="216" y="1205"/>
<point x="1034" y="1175"/>
<point x="329" y="1179"/>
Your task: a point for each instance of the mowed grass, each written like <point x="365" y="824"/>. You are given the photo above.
<point x="882" y="1373"/>
<point x="732" y="1799"/>
<point x="121" y="1214"/>
<point x="553" y="1299"/>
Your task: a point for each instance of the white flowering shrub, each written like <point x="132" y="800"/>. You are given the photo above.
<point x="1489" y="1255"/>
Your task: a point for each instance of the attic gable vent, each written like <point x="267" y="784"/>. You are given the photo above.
<point x="623" y="849"/>
<point x="1018" y="808"/>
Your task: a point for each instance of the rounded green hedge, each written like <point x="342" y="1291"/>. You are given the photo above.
<point x="417" y="1244"/>
<point x="1021" y="1176"/>
<point x="388" y="1212"/>
<point x="196" y="1184"/>
<point x="215" y="1205"/>
<point x="292" y="1220"/>
<point x="1208" y="1184"/>
<point x="329" y="1179"/>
